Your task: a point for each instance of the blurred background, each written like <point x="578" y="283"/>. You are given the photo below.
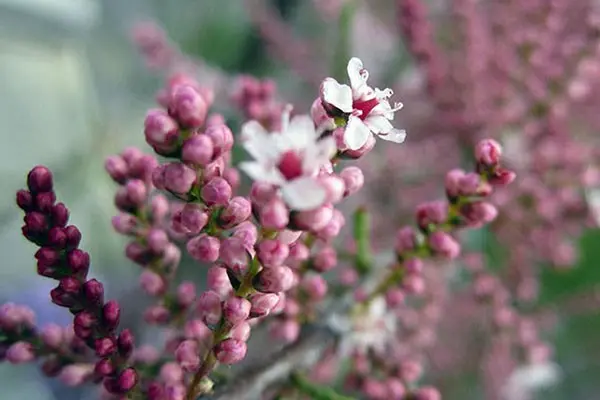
<point x="75" y="88"/>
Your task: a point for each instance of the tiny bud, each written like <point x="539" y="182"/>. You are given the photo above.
<point x="39" y="180"/>
<point x="94" y="291"/>
<point x="314" y="220"/>
<point x="186" y="293"/>
<point x="353" y="179"/>
<point x="135" y="193"/>
<point x="157" y="240"/>
<point x="60" y="214"/>
<point x="187" y="355"/>
<point x="247" y="233"/>
<point x="188" y="106"/>
<point x="171" y="373"/>
<point x="116" y="168"/>
<point x="325" y="259"/>
<point x="178" y="178"/>
<point x="216" y="192"/>
<point x="209" y="308"/>
<point x="286" y="330"/>
<point x="73" y="236"/>
<point x="20" y="352"/>
<point x="431" y="213"/>
<point x="315" y="286"/>
<point x="125" y="343"/>
<point x="157" y="315"/>
<point x="57" y="238"/>
<point x="204" y="248"/>
<point x="231" y="351"/>
<point x="222" y="138"/>
<point x="262" y="304"/>
<point x="241" y="331"/>
<point x="272" y="252"/>
<point x="261" y="193"/>
<point x="275" y="279"/>
<point x="161" y="130"/>
<point x="444" y="244"/>
<point x="111" y="314"/>
<point x="234" y="255"/>
<point x="75" y="374"/>
<point x="52" y="336"/>
<point x="190" y="220"/>
<point x="414" y="284"/>
<point x="274" y="214"/>
<point x="335" y="188"/>
<point x="105" y="346"/>
<point x="198" y="150"/>
<point x="218" y="281"/>
<point x="78" y="261"/>
<point x="236" y="310"/>
<point x="394" y="297"/>
<point x="45" y="201"/>
<point x="85" y="319"/>
<point x="406" y="240"/>
<point x="196" y="329"/>
<point x="36" y="222"/>
<point x="238" y="210"/>
<point x="104" y="367"/>
<point x="24" y="200"/>
<point x="127" y="380"/>
<point x="488" y="152"/>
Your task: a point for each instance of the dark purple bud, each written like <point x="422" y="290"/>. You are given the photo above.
<point x="45" y="201"/>
<point x="111" y="313"/>
<point x="155" y="391"/>
<point x="52" y="367"/>
<point x="127" y="380"/>
<point x="94" y="292"/>
<point x="24" y="200"/>
<point x="47" y="256"/>
<point x="73" y="236"/>
<point x="104" y="367"/>
<point x="125" y="343"/>
<point x="82" y="332"/>
<point x="85" y="319"/>
<point x="57" y="238"/>
<point x="78" y="261"/>
<point x="36" y="222"/>
<point x="70" y="285"/>
<point x="137" y="253"/>
<point x="60" y="298"/>
<point x="105" y="346"/>
<point x="39" y="179"/>
<point x="60" y="215"/>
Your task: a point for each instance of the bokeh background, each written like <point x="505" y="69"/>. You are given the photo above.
<point x="74" y="89"/>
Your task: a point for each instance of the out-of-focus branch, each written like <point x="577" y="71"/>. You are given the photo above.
<point x="255" y="379"/>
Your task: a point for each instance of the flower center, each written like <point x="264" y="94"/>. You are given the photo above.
<point x="290" y="165"/>
<point x="365" y="106"/>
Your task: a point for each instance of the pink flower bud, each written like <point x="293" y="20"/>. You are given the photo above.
<point x="231" y="351"/>
<point x="247" y="233"/>
<point x="116" y="168"/>
<point x="414" y="284"/>
<point x="488" y="152"/>
<point x="218" y="281"/>
<point x="157" y="240"/>
<point x="161" y="130"/>
<point x="275" y="279"/>
<point x="188" y="107"/>
<point x="479" y="213"/>
<point x="234" y="255"/>
<point x="136" y="192"/>
<point x="406" y="240"/>
<point x="271" y="252"/>
<point x="298" y="254"/>
<point x="214" y="169"/>
<point x="413" y="265"/>
<point x="236" y="310"/>
<point x="503" y="177"/>
<point x="374" y="389"/>
<point x="204" y="248"/>
<point x="196" y="329"/>
<point x="241" y="331"/>
<point x="453" y="182"/>
<point x="232" y="176"/>
<point x="318" y="113"/>
<point x="395" y="389"/>
<point x="469" y="184"/>
<point x="190" y="220"/>
<point x="394" y="297"/>
<point x="209" y="308"/>
<point x="335" y="188"/>
<point x="315" y="287"/>
<point x="333" y="228"/>
<point x="75" y="374"/>
<point x="105" y="346"/>
<point x="353" y="180"/>
<point x="411" y="371"/>
<point x="216" y="191"/>
<point x="427" y="393"/>
<point x="262" y="304"/>
<point x="444" y="244"/>
<point x="52" y="335"/>
<point x="20" y="352"/>
<point x="171" y="373"/>
<point x="186" y="293"/>
<point x="156" y="315"/>
<point x="314" y="220"/>
<point x="187" y="355"/>
<point x="178" y="178"/>
<point x="348" y="276"/>
<point x="124" y="224"/>
<point x="262" y="192"/>
<point x="221" y="136"/>
<point x="325" y="259"/>
<point x="198" y="150"/>
<point x="434" y="212"/>
<point x="274" y="214"/>
<point x="238" y="210"/>
<point x="286" y="330"/>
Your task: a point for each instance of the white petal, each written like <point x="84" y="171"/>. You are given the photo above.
<point x="318" y="155"/>
<point x="395" y="135"/>
<point x="304" y="194"/>
<point x="355" y="67"/>
<point x="338" y="95"/>
<point x="255" y="140"/>
<point x="288" y="237"/>
<point x="301" y="132"/>
<point x="356" y="133"/>
<point x="378" y="124"/>
<point x="259" y="172"/>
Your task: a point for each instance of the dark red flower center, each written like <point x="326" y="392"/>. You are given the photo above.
<point x="290" y="165"/>
<point x="365" y="106"/>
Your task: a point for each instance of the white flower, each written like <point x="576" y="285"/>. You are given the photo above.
<point x="290" y="159"/>
<point x="371" y="329"/>
<point x="527" y="379"/>
<point x="369" y="109"/>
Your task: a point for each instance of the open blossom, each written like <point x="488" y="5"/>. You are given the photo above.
<point x="290" y="159"/>
<point x="368" y="110"/>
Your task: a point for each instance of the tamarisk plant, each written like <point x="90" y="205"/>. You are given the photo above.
<point x="266" y="251"/>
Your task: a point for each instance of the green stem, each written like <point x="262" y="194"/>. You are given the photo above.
<point x="362" y="232"/>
